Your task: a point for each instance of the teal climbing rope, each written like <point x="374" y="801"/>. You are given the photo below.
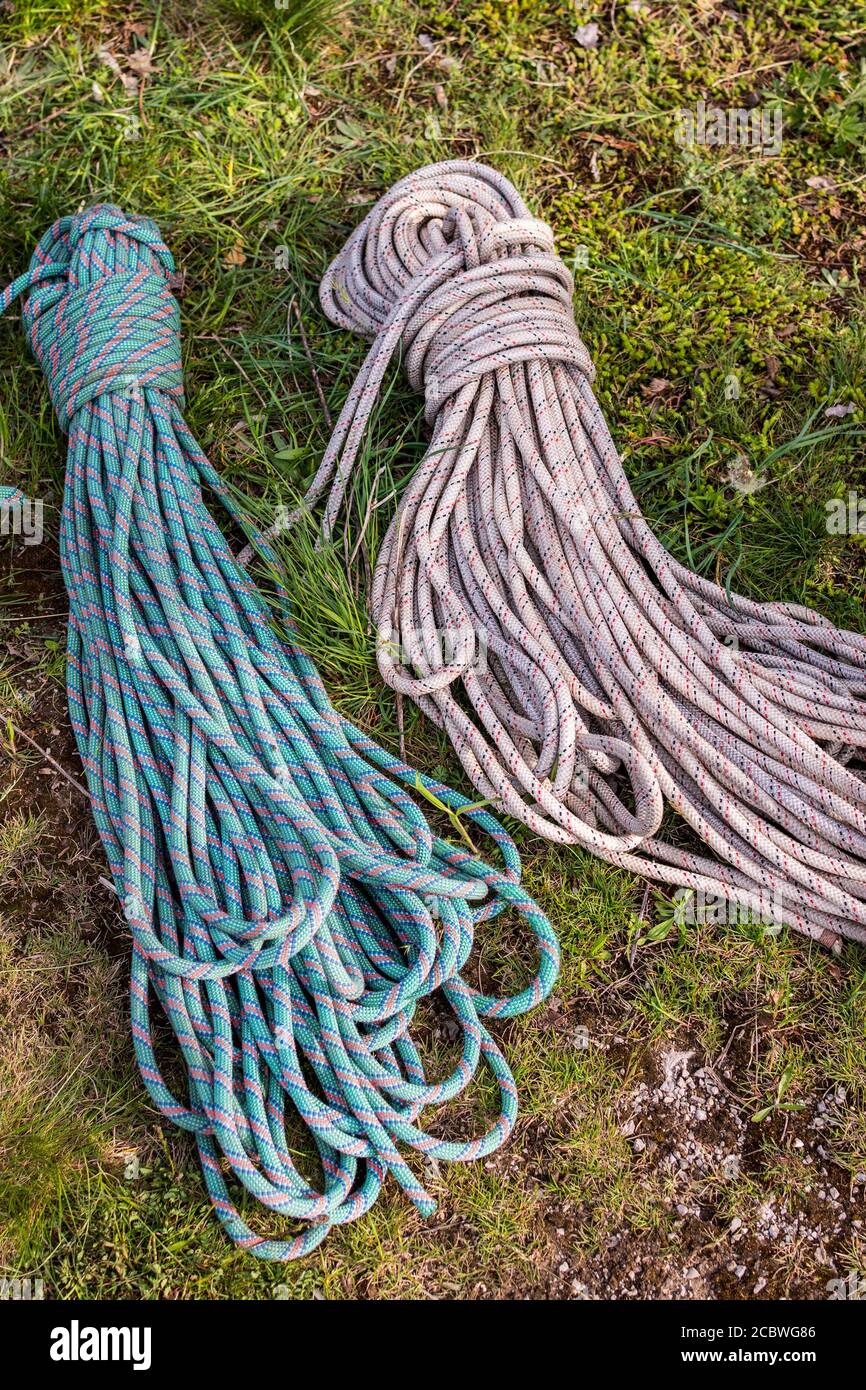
<point x="289" y="905"/>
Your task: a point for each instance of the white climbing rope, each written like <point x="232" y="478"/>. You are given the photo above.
<point x="615" y="680"/>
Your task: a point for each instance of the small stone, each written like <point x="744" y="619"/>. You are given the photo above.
<point x="587" y="35"/>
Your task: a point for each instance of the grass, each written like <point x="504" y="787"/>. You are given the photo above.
<point x="256" y="136"/>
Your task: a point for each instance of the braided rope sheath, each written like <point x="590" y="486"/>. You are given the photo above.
<point x="609" y="662"/>
<point x="288" y="903"/>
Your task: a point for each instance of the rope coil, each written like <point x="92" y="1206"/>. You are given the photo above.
<point x="288" y="903"/>
<point x="617" y="681"/>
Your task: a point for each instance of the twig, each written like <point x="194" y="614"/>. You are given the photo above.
<point x="49" y="757"/>
<point x="295" y="308"/>
<point x="643" y="907"/>
<point x="365" y="519"/>
<point x="398" y="701"/>
<point x="215" y="338"/>
<point x="37" y="125"/>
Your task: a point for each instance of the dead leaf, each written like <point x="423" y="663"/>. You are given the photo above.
<point x="235" y="257"/>
<point x="743" y="478"/>
<point x="128" y="81"/>
<point x="821" y="181"/>
<point x="105" y="56"/>
<point x="141" y="62"/>
<point x="441" y="97"/>
<point x="614" y="141"/>
<point x="656" y="387"/>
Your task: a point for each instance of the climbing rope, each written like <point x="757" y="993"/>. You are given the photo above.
<point x="614" y="680"/>
<point x="288" y="903"/>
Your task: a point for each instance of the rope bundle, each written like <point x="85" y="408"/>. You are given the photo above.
<point x="288" y="903"/>
<point x="616" y="680"/>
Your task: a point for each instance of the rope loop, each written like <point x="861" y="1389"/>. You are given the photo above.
<point x="104" y="322"/>
<point x="472" y="280"/>
<point x="288" y="904"/>
<point x="615" y="682"/>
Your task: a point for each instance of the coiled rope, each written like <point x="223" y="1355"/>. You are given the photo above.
<point x="616" y="681"/>
<point x="288" y="903"/>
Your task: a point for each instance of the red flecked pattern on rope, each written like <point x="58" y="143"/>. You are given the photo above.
<point x="617" y="680"/>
